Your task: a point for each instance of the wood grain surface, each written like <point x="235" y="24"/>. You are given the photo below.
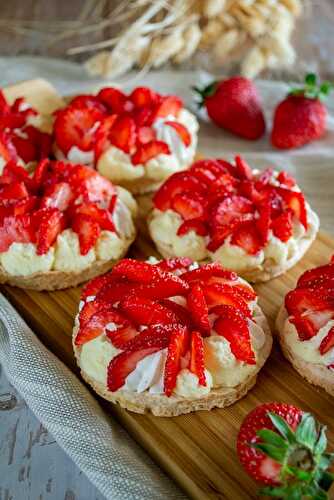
<point x="197" y="450"/>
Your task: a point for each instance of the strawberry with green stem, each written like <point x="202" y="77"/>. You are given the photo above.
<point x="284" y="448"/>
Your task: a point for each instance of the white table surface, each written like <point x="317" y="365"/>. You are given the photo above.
<point x="32" y="465"/>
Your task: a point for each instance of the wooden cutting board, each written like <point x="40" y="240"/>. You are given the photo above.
<point x="197" y="450"/>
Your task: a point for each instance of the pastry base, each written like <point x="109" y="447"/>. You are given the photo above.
<point x="163" y="406"/>
<point x="315" y="374"/>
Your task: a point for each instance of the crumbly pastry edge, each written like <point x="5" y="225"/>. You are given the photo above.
<point x="258" y="275"/>
<point x="58" y="280"/>
<point x="315" y="374"/>
<point x="162" y="406"/>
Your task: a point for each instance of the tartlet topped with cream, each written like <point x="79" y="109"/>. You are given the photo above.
<point x="306" y="326"/>
<point x="61" y="225"/>
<point x="170" y="337"/>
<point x="255" y="223"/>
<point x="136" y="140"/>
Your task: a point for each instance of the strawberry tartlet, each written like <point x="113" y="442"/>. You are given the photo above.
<point x="136" y="140"/>
<point x="24" y="136"/>
<point x="306" y="326"/>
<point x="255" y="223"/>
<point x="61" y="225"/>
<point x="170" y="337"/>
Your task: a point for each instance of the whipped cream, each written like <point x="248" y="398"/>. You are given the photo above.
<point x="148" y="374"/>
<point x="188" y="387"/>
<point x="308" y="350"/>
<point x="21" y="259"/>
<point x="76" y="155"/>
<point x="95" y="357"/>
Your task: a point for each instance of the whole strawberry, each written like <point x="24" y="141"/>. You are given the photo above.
<point x="234" y="105"/>
<point x="301" y="117"/>
<point x="284" y="448"/>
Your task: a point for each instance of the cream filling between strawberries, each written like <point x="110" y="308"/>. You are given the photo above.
<point x="21" y="259"/>
<point x="117" y="165"/>
<point x="308" y="350"/>
<point x="163" y="228"/>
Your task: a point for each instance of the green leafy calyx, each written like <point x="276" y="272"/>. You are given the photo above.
<point x="203" y="93"/>
<point x="313" y="90"/>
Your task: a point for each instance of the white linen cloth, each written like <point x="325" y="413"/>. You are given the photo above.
<point x="100" y="447"/>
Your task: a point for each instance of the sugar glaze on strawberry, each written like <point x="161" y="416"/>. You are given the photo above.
<point x="169" y="328"/>
<point x="256" y="223"/>
<point x="62" y="217"/>
<point x="136" y="140"/>
<point x="24" y="133"/>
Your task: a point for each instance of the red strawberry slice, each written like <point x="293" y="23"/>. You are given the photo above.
<point x="179" y="311"/>
<point x="174" y="264"/>
<point x="125" y="363"/>
<point x="49" y="222"/>
<point x="15" y="173"/>
<point x="207" y="271"/>
<point x="102" y="141"/>
<point x="195" y="225"/>
<point x="196" y="365"/>
<point x="26" y="150"/>
<point x="170" y="105"/>
<point x="315" y="276"/>
<point x="7" y="148"/>
<point x="88" y="101"/>
<point x="309" y="310"/>
<point x="177" y="347"/>
<point x="15" y="229"/>
<point x="245" y="291"/>
<point x="17" y="207"/>
<point x="146" y="152"/>
<point x="282" y="226"/>
<point x="182" y="131"/>
<point x="15" y="191"/>
<point x="153" y="336"/>
<point x="145" y="135"/>
<point x="198" y="308"/>
<point x="263" y="223"/>
<point x="124" y="334"/>
<point x="218" y="234"/>
<point x="144" y="311"/>
<point x="96" y="324"/>
<point x="144" y="117"/>
<point x="286" y="179"/>
<point x="177" y="183"/>
<point x="189" y="205"/>
<point x="264" y="179"/>
<point x="243" y="170"/>
<point x="114" y="99"/>
<point x="58" y="196"/>
<point x="137" y="271"/>
<point x="122" y="134"/>
<point x="75" y="127"/>
<point x="220" y="295"/>
<point x="328" y="342"/>
<point x="95" y="285"/>
<point x="248" y="238"/>
<point x="143" y="97"/>
<point x="296" y="201"/>
<point x="41" y="172"/>
<point x="232" y="326"/>
<point x="88" y="231"/>
<point x="90" y="184"/>
<point x="90" y="308"/>
<point x="101" y="216"/>
<point x="231" y="208"/>
<point x="114" y="291"/>
<point x="164" y="288"/>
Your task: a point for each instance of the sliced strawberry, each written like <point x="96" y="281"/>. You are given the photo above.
<point x="263" y="223"/>
<point x="170" y="105"/>
<point x="164" y="288"/>
<point x="146" y="312"/>
<point x="13" y="172"/>
<point x="196" y="364"/>
<point x="17" y="207"/>
<point x="96" y="324"/>
<point x="49" y="222"/>
<point x="174" y="264"/>
<point x="124" y="334"/>
<point x="88" y="231"/>
<point x="234" y="328"/>
<point x="145" y="135"/>
<point x="144" y="117"/>
<point x="90" y="308"/>
<point x="58" y="196"/>
<point x="198" y="308"/>
<point x="153" y="336"/>
<point x="146" y="152"/>
<point x="122" y="134"/>
<point x="114" y="99"/>
<point x="245" y="291"/>
<point x="181" y="312"/>
<point x="328" y="342"/>
<point x="220" y="295"/>
<point x="101" y="216"/>
<point x="88" y="101"/>
<point x="95" y="285"/>
<point x="189" y="205"/>
<point x="114" y="291"/>
<point x="282" y="226"/>
<point x="143" y="97"/>
<point x="207" y="271"/>
<point x="315" y="276"/>
<point x="195" y="225"/>
<point x="182" y="131"/>
<point x="218" y="234"/>
<point x="243" y="170"/>
<point x="231" y="208"/>
<point x="102" y="141"/>
<point x="7" y="148"/>
<point x="14" y="191"/>
<point x="309" y="310"/>
<point x="16" y="229"/>
<point x="248" y="238"/>
<point x="26" y="150"/>
<point x="177" y="183"/>
<point x="41" y="172"/>
<point x="264" y="179"/>
<point x="177" y="347"/>
<point x="296" y="201"/>
<point x="90" y="184"/>
<point x="76" y="127"/>
<point x="125" y="363"/>
<point x="286" y="179"/>
<point x="137" y="271"/>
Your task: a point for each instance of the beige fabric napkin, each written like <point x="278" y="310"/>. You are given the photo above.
<point x="100" y="447"/>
